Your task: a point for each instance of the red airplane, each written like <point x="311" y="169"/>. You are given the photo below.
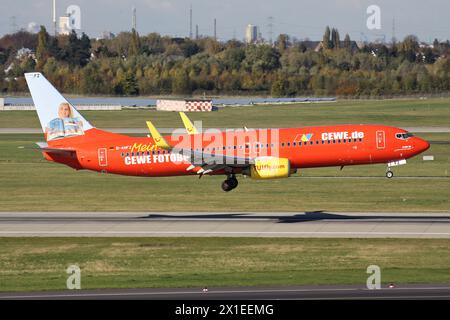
<point x="258" y="153"/>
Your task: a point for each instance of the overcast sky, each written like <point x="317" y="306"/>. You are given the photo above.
<point x="301" y="19"/>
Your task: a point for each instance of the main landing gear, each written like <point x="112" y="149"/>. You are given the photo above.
<point x="230" y="183"/>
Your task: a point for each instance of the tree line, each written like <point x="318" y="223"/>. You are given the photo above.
<point x="130" y="64"/>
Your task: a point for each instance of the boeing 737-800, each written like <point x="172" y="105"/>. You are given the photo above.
<point x="257" y="153"/>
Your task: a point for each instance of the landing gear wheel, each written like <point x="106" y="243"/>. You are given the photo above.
<point x="226" y="186"/>
<point x="389" y="174"/>
<point x="229" y="184"/>
<point x="233" y="182"/>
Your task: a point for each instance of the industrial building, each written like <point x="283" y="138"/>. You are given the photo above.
<point x="198" y="105"/>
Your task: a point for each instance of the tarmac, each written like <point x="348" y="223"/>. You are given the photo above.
<point x="317" y="224"/>
<point x="347" y="292"/>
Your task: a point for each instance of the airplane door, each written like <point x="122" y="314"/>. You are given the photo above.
<point x="381" y="140"/>
<point x="102" y="157"/>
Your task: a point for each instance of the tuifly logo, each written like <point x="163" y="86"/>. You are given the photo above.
<point x="306" y="137"/>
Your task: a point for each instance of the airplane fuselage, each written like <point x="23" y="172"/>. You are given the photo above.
<point x="307" y="147"/>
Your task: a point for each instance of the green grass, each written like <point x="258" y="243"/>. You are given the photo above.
<point x="429" y="112"/>
<point x="40" y="263"/>
<point x="29" y="183"/>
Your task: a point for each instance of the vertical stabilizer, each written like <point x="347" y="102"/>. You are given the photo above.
<point x="58" y="118"/>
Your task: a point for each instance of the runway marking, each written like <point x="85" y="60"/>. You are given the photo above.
<point x="331" y="290"/>
<point x="225" y="232"/>
<point x="84" y="220"/>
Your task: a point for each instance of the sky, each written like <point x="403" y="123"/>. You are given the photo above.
<point x="297" y="18"/>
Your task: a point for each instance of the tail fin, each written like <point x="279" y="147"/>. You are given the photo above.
<point x="58" y="118"/>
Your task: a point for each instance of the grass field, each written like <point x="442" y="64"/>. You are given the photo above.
<point x="430" y="112"/>
<point x="29" y="183"/>
<point x="40" y="263"/>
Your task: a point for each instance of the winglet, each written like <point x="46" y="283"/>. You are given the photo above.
<point x="188" y="124"/>
<point x="159" y="140"/>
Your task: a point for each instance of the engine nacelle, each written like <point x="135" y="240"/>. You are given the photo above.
<point x="270" y="168"/>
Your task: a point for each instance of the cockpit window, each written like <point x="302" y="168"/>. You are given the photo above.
<point x="403" y="136"/>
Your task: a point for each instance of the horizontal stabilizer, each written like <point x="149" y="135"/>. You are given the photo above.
<point x="43" y="146"/>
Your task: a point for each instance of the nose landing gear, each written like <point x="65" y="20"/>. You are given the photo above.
<point x="230" y="183"/>
<point x="389" y="173"/>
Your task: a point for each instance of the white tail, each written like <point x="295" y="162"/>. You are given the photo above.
<point x="58" y="118"/>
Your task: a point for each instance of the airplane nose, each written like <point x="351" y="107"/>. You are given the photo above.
<point x="422" y="145"/>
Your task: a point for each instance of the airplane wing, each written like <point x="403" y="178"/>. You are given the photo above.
<point x="209" y="163"/>
<point x="204" y="162"/>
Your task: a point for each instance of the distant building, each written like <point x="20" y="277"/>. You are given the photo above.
<point x="199" y="105"/>
<point x="251" y="34"/>
<point x="426" y="45"/>
<point x="24" y="53"/>
<point x="106" y="35"/>
<point x="64" y="25"/>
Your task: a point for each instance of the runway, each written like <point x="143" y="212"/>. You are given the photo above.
<point x="317" y="224"/>
<point x="426" y="291"/>
<point x="182" y="130"/>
